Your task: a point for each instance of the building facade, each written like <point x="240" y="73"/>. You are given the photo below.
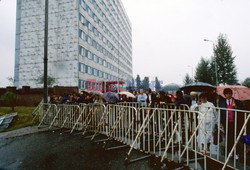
<point x="87" y="40"/>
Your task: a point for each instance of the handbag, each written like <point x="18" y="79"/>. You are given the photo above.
<point x="246" y="139"/>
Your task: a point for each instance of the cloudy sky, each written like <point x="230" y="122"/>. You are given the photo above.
<point x="167" y="35"/>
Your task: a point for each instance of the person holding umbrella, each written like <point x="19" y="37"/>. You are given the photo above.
<point x="229" y="116"/>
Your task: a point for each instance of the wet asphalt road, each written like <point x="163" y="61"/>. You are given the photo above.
<point x="53" y="150"/>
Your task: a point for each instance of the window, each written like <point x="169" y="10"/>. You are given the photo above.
<point x="89" y="70"/>
<point x="90" y="12"/>
<point x="79" y="67"/>
<point x="94" y="43"/>
<point x="100" y="61"/>
<point x="82" y="19"/>
<point x="82" y="35"/>
<point x="95" y="18"/>
<point x="90" y="26"/>
<point x="89" y="40"/>
<point x="86" y="69"/>
<point x="83" y="4"/>
<point x="81" y="51"/>
<point x="95" y="58"/>
<point x="89" y="55"/>
<point x="100" y="73"/>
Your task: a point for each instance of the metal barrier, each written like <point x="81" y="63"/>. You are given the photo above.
<point x="158" y="128"/>
<point x="47" y="113"/>
<point x="173" y="133"/>
<point x="231" y="151"/>
<point x="79" y="123"/>
<point x="37" y="110"/>
<point x="220" y="139"/>
<point x="92" y="116"/>
<point x="133" y="104"/>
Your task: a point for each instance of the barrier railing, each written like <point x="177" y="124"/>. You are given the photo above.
<point x="92" y="116"/>
<point x="174" y="133"/>
<point x="47" y="113"/>
<point x="133" y="104"/>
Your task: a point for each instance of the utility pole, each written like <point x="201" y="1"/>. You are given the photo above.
<point x="45" y="76"/>
<point x="216" y="71"/>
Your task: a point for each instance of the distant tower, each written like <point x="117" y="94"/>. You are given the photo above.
<point x="88" y="39"/>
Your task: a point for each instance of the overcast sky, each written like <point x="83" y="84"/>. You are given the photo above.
<point x="167" y="35"/>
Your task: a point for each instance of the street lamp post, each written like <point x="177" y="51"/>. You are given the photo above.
<point x="215" y="64"/>
<point x="216" y="74"/>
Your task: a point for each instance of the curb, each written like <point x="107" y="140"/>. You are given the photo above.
<point x="23" y="131"/>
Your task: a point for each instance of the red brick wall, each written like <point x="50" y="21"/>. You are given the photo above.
<point x="27" y="96"/>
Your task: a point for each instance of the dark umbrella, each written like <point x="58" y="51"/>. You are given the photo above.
<point x="110" y="97"/>
<point x="171" y="87"/>
<point x="198" y="86"/>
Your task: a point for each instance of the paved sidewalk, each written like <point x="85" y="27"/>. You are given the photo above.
<point x="60" y="150"/>
<point x="23" y="131"/>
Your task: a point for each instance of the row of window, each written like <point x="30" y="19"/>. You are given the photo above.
<point x="93" y="29"/>
<point x="101" y="49"/>
<point x="95" y="72"/>
<point x="99" y="86"/>
<point x="102" y="38"/>
<point x="86" y="53"/>
<point x="101" y="25"/>
<point x="90" y="85"/>
<point x="91" y="56"/>
<point x="107" y="11"/>
<point x="117" y="14"/>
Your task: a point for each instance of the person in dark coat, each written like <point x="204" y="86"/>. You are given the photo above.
<point x="230" y="103"/>
<point x="179" y="99"/>
<point x="151" y="99"/>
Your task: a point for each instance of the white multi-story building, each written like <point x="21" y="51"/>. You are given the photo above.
<point x="87" y="39"/>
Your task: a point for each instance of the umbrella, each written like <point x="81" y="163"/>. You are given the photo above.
<point x="110" y="97"/>
<point x="128" y="94"/>
<point x="239" y="92"/>
<point x="198" y="86"/>
<point x="83" y="91"/>
<point x="171" y="87"/>
<point x="97" y="93"/>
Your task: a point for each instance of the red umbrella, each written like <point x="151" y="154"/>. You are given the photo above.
<point x="239" y="92"/>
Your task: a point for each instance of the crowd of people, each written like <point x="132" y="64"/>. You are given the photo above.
<point x="196" y="102"/>
<point x="148" y="98"/>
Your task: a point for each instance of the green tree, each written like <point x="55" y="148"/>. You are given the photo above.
<point x="187" y="79"/>
<point x="223" y="54"/>
<point x="138" y="82"/>
<point x="203" y="72"/>
<point x="10" y="98"/>
<point x="51" y="80"/>
<point x="157" y="85"/>
<point x="130" y="85"/>
<point x="145" y="83"/>
<point x="247" y="82"/>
